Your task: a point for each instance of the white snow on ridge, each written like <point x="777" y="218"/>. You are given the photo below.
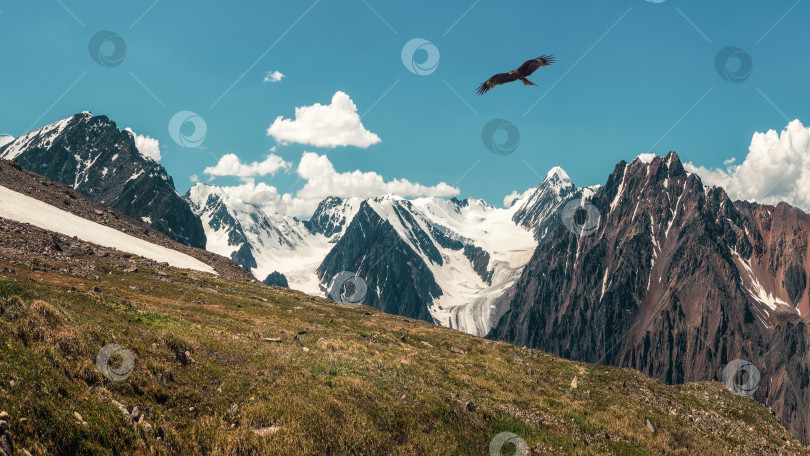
<point x="279" y="243"/>
<point x="43" y="136"/>
<point x="22" y="208"/>
<point x="756" y="289"/>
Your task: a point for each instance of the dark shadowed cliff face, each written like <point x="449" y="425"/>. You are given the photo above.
<point x="91" y="155"/>
<point x="676" y="281"/>
<point x="373" y="250"/>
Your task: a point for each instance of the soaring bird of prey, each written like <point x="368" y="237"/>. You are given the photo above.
<point x="525" y="70"/>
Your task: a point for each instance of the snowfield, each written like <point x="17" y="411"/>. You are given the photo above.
<point x="21" y="208"/>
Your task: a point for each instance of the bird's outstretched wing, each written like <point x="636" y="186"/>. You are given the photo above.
<point x="498" y="79"/>
<point x="530" y="66"/>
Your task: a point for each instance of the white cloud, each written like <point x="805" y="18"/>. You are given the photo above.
<point x="273" y="76"/>
<point x="230" y="165"/>
<point x="148" y="147"/>
<point x="333" y="125"/>
<point x="5" y="139"/>
<point x="322" y="180"/>
<point x="511" y="198"/>
<point x="777" y="168"/>
<point x="248" y="190"/>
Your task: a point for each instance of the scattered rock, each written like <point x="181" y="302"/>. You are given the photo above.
<point x="136" y="413"/>
<point x="306" y="350"/>
<point x="123" y="410"/>
<point x="263" y="431"/>
<point x="272" y="339"/>
<point x="6" y="445"/>
<point x="147" y="428"/>
<point x="457" y="350"/>
<point x="184" y="357"/>
<point x="650" y="426"/>
<point x="6" y="442"/>
<point x="574" y="383"/>
<point x="161" y="433"/>
<point x="426" y="344"/>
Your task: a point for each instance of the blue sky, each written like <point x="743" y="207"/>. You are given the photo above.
<point x="630" y="77"/>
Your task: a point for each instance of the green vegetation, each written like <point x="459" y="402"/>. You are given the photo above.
<point x="231" y="368"/>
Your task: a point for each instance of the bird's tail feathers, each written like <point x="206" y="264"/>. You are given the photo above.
<point x="526" y="82"/>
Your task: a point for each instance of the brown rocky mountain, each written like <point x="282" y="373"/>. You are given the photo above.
<point x="677" y="281"/>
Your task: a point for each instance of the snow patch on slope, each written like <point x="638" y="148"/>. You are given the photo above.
<point x="22" y="208"/>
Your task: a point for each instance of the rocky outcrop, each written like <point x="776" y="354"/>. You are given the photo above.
<point x="276" y="279"/>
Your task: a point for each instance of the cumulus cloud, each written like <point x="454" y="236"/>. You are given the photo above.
<point x="511" y="198"/>
<point x="332" y="125"/>
<point x="5" y="139"/>
<point x="148" y="147"/>
<point x="230" y="165"/>
<point x="273" y="76"/>
<point x="777" y="168"/>
<point x="322" y="180"/>
<point x="249" y="189"/>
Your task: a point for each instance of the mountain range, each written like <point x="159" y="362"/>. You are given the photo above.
<point x="653" y="270"/>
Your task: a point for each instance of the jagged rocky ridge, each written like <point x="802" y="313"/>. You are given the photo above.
<point x="451" y="262"/>
<point x="676" y="281"/>
<point x="91" y="155"/>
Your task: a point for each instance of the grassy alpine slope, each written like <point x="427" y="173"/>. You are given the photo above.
<point x="236" y="368"/>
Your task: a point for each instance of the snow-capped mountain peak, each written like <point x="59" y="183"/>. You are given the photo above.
<point x="260" y="242"/>
<point x="558" y="173"/>
<point x="93" y="156"/>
